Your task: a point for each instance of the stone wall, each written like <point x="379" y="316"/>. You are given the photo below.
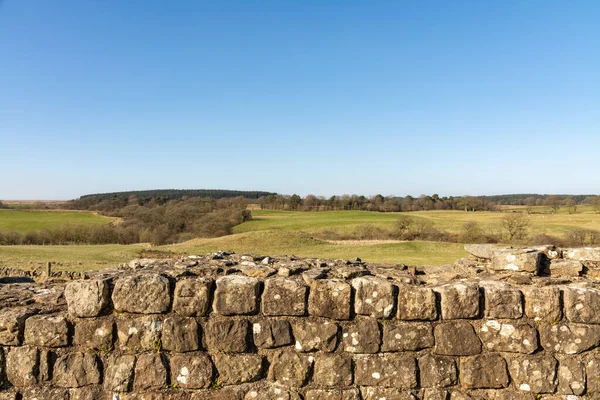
<point x="229" y="328"/>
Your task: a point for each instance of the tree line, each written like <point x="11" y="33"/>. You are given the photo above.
<point x="176" y="194"/>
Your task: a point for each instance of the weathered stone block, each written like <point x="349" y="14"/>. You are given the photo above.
<point x="236" y="295"/>
<point x="191" y="370"/>
<point x="224" y="393"/>
<point x="139" y="333"/>
<point x="571" y="376"/>
<point x="437" y="371"/>
<point x="8" y="395"/>
<point x="192" y="297"/>
<point x="235" y="369"/>
<point x="44" y="393"/>
<point x="592" y="368"/>
<point x="456" y="339"/>
<point x="227" y="335"/>
<point x="12" y="324"/>
<point x="22" y="366"/>
<point x="270" y="392"/>
<point x="590" y="257"/>
<point x="517" y="337"/>
<point x="87" y="298"/>
<point x="94" y="333"/>
<point x="374" y="296"/>
<point x="582" y="304"/>
<point x="435" y="394"/>
<point x="150" y="372"/>
<point x="459" y="300"/>
<point x="76" y="370"/>
<point x="315" y="335"/>
<point x="483" y="372"/>
<point x="409" y="336"/>
<point x="390" y="370"/>
<point x="332" y="370"/>
<point x="569" y="338"/>
<point x="378" y="393"/>
<point x="290" y="368"/>
<point x="527" y="260"/>
<point x="118" y="374"/>
<point x="142" y="294"/>
<point x="333" y="394"/>
<point x="503" y="301"/>
<point x="330" y="299"/>
<point x="91" y="392"/>
<point x="271" y="333"/>
<point x="284" y="297"/>
<point x="361" y="336"/>
<point x="543" y="304"/>
<point x="482" y="251"/>
<point x="47" y="331"/>
<point x="180" y="334"/>
<point x="565" y="268"/>
<point x="416" y="304"/>
<point x="535" y="374"/>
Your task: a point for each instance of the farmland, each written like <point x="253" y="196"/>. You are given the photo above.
<point x="24" y="221"/>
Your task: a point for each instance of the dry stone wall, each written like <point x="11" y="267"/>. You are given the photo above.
<point x="242" y="328"/>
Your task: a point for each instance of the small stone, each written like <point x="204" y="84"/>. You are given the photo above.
<point x="284" y="297"/>
<point x="459" y="300"/>
<point x="180" y="334"/>
<point x="543" y="304"/>
<point x="410" y="336"/>
<point x="191" y="370"/>
<point x="47" y="331"/>
<point x="87" y="298"/>
<point x="416" y="304"/>
<point x="456" y="339"/>
<point x="269" y="334"/>
<point x="235" y="369"/>
<point x="518" y="337"/>
<point x="150" y="372"/>
<point x="192" y="297"/>
<point x="76" y="370"/>
<point x="119" y="374"/>
<point x="486" y="371"/>
<point x="236" y="295"/>
<point x="437" y="371"/>
<point x="223" y="334"/>
<point x="330" y="299"/>
<point x="332" y="370"/>
<point x="582" y="304"/>
<point x="374" y="297"/>
<point x="289" y="368"/>
<point x="569" y="338"/>
<point x="361" y="336"/>
<point x="535" y="374"/>
<point x="142" y="294"/>
<point x="390" y="370"/>
<point x="315" y="335"/>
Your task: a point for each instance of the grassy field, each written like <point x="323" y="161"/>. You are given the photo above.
<point x="278" y="232"/>
<point x="24" y="221"/>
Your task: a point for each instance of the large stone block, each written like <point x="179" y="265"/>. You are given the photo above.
<point x="150" y="372"/>
<point x="569" y="338"/>
<point x="361" y="336"/>
<point x="565" y="268"/>
<point x="192" y="297"/>
<point x="76" y="370"/>
<point x="379" y="393"/>
<point x="315" y="335"/>
<point x="271" y="333"/>
<point x="12" y="324"/>
<point x="236" y="295"/>
<point x="590" y="257"/>
<point x="592" y="368"/>
<point x="118" y="374"/>
<point x="139" y="333"/>
<point x="437" y="371"/>
<point x="332" y="394"/>
<point x="582" y="305"/>
<point x="482" y="251"/>
<point x="459" y="300"/>
<point x="572" y="376"/>
<point x="527" y="260"/>
<point x="269" y="392"/>
<point x="290" y="368"/>
<point x="180" y="334"/>
<point x="332" y="370"/>
<point x="416" y="304"/>
<point x="374" y="296"/>
<point x="191" y="370"/>
<point x="330" y="299"/>
<point x="284" y="297"/>
<point x="94" y="333"/>
<point x="235" y="369"/>
<point x="22" y="366"/>
<point x="390" y="370"/>
<point x="223" y="334"/>
<point x="456" y="339"/>
<point x="47" y="331"/>
<point x="87" y="298"/>
<point x="503" y="301"/>
<point x="142" y="294"/>
<point x="44" y="393"/>
<point x="534" y="374"/>
<point x="513" y="337"/>
<point x="543" y="304"/>
<point x="486" y="371"/>
<point x="408" y="336"/>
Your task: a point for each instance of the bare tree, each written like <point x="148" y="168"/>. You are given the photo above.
<point x="553" y="202"/>
<point x="516" y="225"/>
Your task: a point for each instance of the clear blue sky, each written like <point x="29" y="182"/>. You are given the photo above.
<point x="324" y="97"/>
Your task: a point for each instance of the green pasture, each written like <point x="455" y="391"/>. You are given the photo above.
<point x="24" y="221"/>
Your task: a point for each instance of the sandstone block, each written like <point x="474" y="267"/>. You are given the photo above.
<point x="142" y="294"/>
<point x="543" y="304"/>
<point x="47" y="331"/>
<point x="12" y="324"/>
<point x="270" y="334"/>
<point x="76" y="370"/>
<point x="290" y="368"/>
<point x="483" y="372"/>
<point x="330" y="299"/>
<point x="437" y="371"/>
<point x="230" y="336"/>
<point x="435" y="394"/>
<point x="333" y="394"/>
<point x="361" y="336"/>
<point x="503" y="301"/>
<point x="582" y="304"/>
<point x="139" y="333"/>
<point x="390" y="370"/>
<point x="569" y="338"/>
<point x="374" y="296"/>
<point x="94" y="333"/>
<point x="192" y="297"/>
<point x="378" y="393"/>
<point x="44" y="393"/>
<point x="315" y="335"/>
<point x="332" y="370"/>
<point x="482" y="251"/>
<point x="91" y="392"/>
<point x="527" y="260"/>
<point x="590" y="257"/>
<point x="456" y="339"/>
<point x="416" y="304"/>
<point x="565" y="268"/>
<point x="409" y="336"/>
<point x="284" y="297"/>
<point x="459" y="300"/>
<point x="236" y="295"/>
<point x="235" y="369"/>
<point x="517" y="337"/>
<point x="191" y="370"/>
<point x="119" y="373"/>
<point x="180" y="334"/>
<point x="571" y="376"/>
<point x="270" y="392"/>
<point x="150" y="372"/>
<point x="534" y="374"/>
<point x="87" y="298"/>
<point x="22" y="366"/>
<point x="592" y="368"/>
